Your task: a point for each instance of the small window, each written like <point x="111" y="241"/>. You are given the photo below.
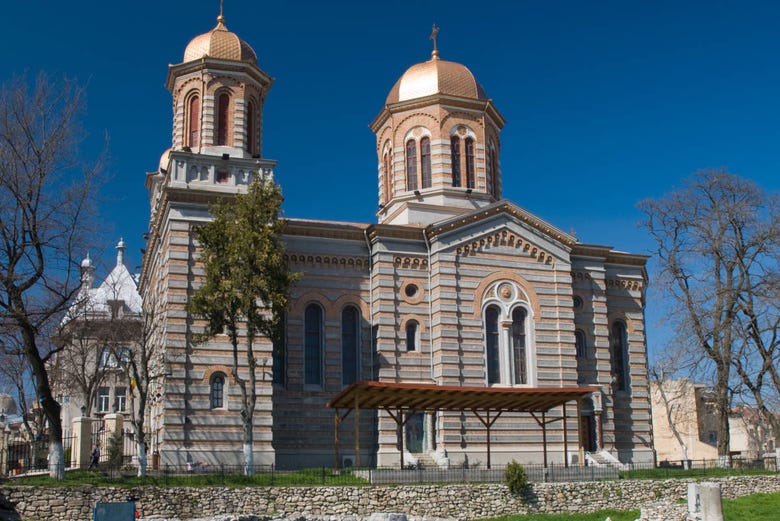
<point x="577" y="302"/>
<point x="411" y="165"/>
<point x="455" y="159"/>
<point x="425" y="161"/>
<point x="411" y="290"/>
<point x="223" y="107"/>
<point x="579" y="343"/>
<point x="469" y="163"/>
<point x="217" y="391"/>
<point x="103" y="399"/>
<point x="222" y="176"/>
<point x="120" y="399"/>
<point x="412" y="335"/>
<point x="108" y="359"/>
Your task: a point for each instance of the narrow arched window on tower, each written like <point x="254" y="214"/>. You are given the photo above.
<point x="411" y="165"/>
<point x="492" y="345"/>
<point x="455" y="158"/>
<point x="469" y="162"/>
<point x="251" y="128"/>
<point x="223" y="106"/>
<point x="425" y="161"/>
<point x="388" y="177"/>
<point x="193" y="121"/>
<point x="519" y="358"/>
<point x="494" y="178"/>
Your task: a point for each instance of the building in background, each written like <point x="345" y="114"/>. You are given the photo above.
<point x="453" y="285"/>
<point x="685" y="425"/>
<point x="99" y="330"/>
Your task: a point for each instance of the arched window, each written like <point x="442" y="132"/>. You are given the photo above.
<point x="279" y="364"/>
<point x="223" y="106"/>
<point x="492" y="345"/>
<point x="312" y="363"/>
<point x="579" y="343"/>
<point x="455" y="158"/>
<point x="494" y="178"/>
<point x="388" y="163"/>
<point x="350" y="333"/>
<point x="412" y="335"/>
<point x="193" y="121"/>
<point x="425" y="161"/>
<point x="217" y="390"/>
<point x="251" y="128"/>
<point x="469" y="162"/>
<point x="411" y="165"/>
<point x="519" y="355"/>
<point x="619" y="342"/>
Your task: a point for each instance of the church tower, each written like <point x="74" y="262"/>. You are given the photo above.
<point x="218" y="92"/>
<point x="438" y="145"/>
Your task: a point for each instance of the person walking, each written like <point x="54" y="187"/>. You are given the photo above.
<point x="95" y="458"/>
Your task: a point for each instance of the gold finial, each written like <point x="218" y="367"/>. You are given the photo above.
<point x="434" y="33"/>
<point x="220" y="18"/>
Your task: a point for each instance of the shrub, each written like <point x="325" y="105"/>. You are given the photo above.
<point x="515" y="478"/>
<point x="115" y="449"/>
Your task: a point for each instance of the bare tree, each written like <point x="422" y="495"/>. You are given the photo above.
<point x="709" y="235"/>
<point x="46" y="196"/>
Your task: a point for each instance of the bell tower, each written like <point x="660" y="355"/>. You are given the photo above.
<point x="437" y="143"/>
<point x="218" y="92"/>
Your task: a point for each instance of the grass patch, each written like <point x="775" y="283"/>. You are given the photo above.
<point x="758" y="507"/>
<point x="309" y="477"/>
<point x="627" y="515"/>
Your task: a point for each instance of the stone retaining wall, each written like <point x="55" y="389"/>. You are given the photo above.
<point x="463" y="502"/>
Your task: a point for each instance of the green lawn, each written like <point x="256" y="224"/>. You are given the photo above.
<point x="758" y="507"/>
<point x="311" y="477"/>
<point x="629" y="515"/>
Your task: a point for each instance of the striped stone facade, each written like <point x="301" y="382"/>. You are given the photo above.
<point x="452" y="286"/>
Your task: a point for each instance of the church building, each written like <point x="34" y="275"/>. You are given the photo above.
<point x="453" y="286"/>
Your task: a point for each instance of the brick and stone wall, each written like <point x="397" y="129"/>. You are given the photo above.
<point x="462" y="502"/>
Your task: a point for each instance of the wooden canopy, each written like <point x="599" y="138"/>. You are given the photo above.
<point x="400" y="398"/>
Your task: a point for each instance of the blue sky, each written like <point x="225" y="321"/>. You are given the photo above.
<point x="606" y="102"/>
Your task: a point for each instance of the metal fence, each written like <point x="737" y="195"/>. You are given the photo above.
<point x="265" y="475"/>
<point x="117" y="449"/>
<point x="24" y="456"/>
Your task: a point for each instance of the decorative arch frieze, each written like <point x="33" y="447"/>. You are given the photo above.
<point x="327" y="261"/>
<point x="402" y="124"/>
<point x="521" y="291"/>
<point x="505" y="239"/>
<point x="411" y="262"/>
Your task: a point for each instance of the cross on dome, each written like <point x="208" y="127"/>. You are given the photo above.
<point x="434" y="34"/>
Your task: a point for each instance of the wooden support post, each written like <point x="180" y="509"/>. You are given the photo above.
<point x="565" y="439"/>
<point x="336" y="422"/>
<point x="401" y="428"/>
<point x="357" y="432"/>
<point x="488" y="423"/>
<point x="544" y="439"/>
<point x="579" y="432"/>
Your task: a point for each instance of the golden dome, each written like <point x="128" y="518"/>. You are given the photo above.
<point x="221" y="44"/>
<point x="436" y="77"/>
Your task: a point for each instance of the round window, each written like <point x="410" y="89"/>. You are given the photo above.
<point x="577" y="302"/>
<point x="411" y="290"/>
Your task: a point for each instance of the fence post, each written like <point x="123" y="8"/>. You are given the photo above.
<point x="81" y="448"/>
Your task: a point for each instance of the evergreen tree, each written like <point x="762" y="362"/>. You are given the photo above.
<point x="244" y="292"/>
